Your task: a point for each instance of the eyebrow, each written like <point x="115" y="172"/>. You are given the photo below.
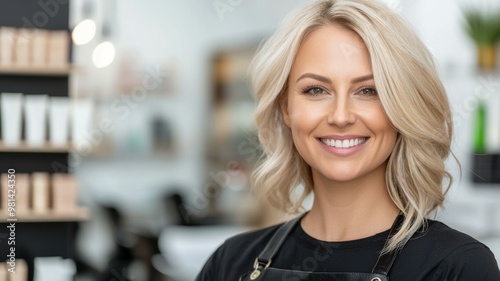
<point x="327" y="80"/>
<point x="316" y="77"/>
<point x="362" y="78"/>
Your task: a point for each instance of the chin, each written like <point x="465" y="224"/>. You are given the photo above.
<point x="341" y="177"/>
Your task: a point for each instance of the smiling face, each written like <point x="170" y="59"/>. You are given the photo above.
<point x="333" y="110"/>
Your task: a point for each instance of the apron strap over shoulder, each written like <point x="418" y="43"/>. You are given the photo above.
<point x="276" y="241"/>
<point x="263" y="261"/>
<point x="385" y="261"/>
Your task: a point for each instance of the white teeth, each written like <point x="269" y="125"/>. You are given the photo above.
<point x="343" y="143"/>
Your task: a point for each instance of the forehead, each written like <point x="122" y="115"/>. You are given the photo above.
<point x="332" y="49"/>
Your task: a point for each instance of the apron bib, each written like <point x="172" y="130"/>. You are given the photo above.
<point x="264" y="272"/>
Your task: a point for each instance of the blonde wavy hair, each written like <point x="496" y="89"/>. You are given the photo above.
<point x="410" y="92"/>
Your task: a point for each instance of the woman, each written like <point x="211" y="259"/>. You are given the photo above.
<point x="350" y="107"/>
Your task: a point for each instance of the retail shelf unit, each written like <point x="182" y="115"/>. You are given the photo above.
<point x="49" y="234"/>
<point x="36" y="71"/>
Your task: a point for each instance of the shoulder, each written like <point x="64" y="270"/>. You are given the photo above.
<point x="439" y="252"/>
<point x="253" y="239"/>
<point x="444" y="239"/>
<point x="236" y="255"/>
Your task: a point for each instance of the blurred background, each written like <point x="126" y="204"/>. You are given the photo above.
<point x="128" y="126"/>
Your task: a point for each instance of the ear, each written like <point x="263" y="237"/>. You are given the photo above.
<point x="283" y="103"/>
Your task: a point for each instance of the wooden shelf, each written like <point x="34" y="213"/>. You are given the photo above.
<point x="46" y="148"/>
<point x="81" y="214"/>
<point x="36" y="70"/>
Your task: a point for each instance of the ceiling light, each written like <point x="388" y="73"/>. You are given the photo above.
<point x="103" y="54"/>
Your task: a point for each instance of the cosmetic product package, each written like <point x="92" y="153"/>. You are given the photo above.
<point x="23" y="194"/>
<point x="56" y="269"/>
<point x="58" y="50"/>
<point x="4" y="188"/>
<point x="36" y="120"/>
<point x="11" y="107"/>
<point x="3" y="271"/>
<point x="23" y="46"/>
<point x="59" y="121"/>
<point x="480" y="129"/>
<point x="39" y="48"/>
<point x="21" y="190"/>
<point x="40" y="192"/>
<point x="492" y="122"/>
<point x="7" y="41"/>
<point x="21" y="271"/>
<point x="64" y="193"/>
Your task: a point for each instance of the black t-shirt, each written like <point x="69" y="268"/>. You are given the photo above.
<point x="437" y="254"/>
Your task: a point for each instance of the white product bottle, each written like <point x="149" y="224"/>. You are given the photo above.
<point x="36" y="115"/>
<point x="11" y="114"/>
<point x="59" y="121"/>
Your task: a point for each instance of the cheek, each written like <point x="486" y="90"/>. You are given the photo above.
<point x="383" y="125"/>
<point x="307" y="114"/>
<point x="374" y="117"/>
<point x="379" y="124"/>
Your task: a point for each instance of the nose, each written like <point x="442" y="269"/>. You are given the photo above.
<point x="342" y="114"/>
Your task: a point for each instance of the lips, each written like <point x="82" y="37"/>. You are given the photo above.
<point x="343" y="146"/>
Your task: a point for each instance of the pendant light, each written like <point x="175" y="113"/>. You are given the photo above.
<point x="104" y="53"/>
<point x="85" y="30"/>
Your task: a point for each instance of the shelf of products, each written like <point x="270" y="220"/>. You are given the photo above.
<point x="36" y="70"/>
<point x="80" y="214"/>
<point x="40" y="197"/>
<point x="34" y="50"/>
<point x="44" y="148"/>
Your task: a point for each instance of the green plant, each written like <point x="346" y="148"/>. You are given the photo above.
<point x="483" y="28"/>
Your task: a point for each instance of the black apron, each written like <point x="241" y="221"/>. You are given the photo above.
<point x="263" y="272"/>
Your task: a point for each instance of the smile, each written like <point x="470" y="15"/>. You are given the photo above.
<point x="343" y="143"/>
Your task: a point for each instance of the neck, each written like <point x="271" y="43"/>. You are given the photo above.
<point x="344" y="211"/>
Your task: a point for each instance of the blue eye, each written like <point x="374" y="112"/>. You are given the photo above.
<point x="368" y="92"/>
